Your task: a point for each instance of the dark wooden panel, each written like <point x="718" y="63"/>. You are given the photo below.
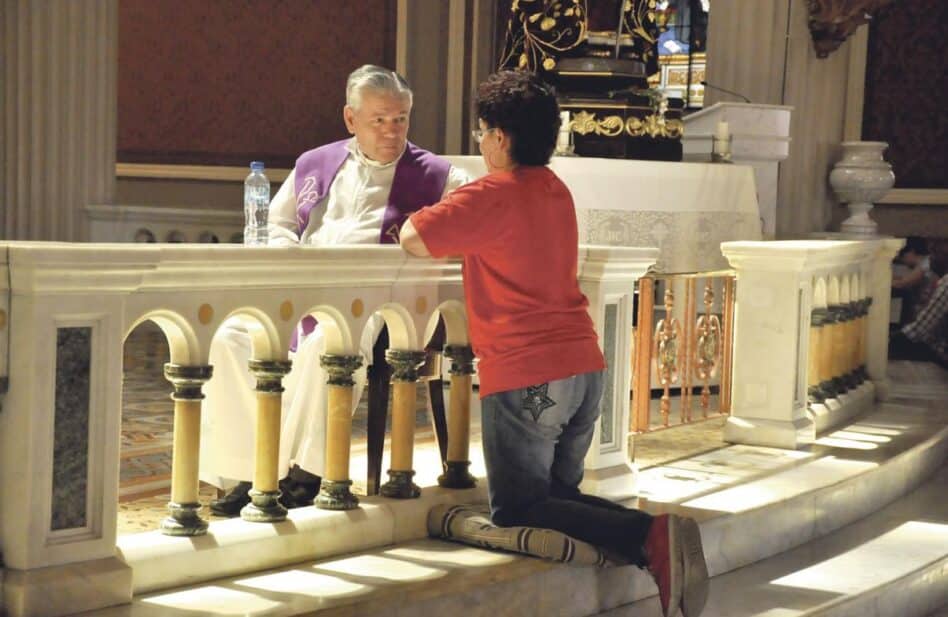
<point x="228" y="81"/>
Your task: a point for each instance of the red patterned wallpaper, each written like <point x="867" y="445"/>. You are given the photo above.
<point x="223" y="82"/>
<point x="907" y="90"/>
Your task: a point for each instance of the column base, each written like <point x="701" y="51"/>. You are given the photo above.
<point x="335" y="495"/>
<point x="788" y="434"/>
<point x="456" y="475"/>
<point x="66" y="589"/>
<point x="264" y="507"/>
<point x="400" y="486"/>
<point x="184" y="520"/>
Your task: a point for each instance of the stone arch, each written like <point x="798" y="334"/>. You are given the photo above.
<point x="819" y="293"/>
<point x="183" y="343"/>
<point x="455" y="323"/>
<point x="335" y="328"/>
<point x="832" y="290"/>
<point x="856" y="292"/>
<point x="845" y="294"/>
<point x="401" y="327"/>
<point x="264" y="337"/>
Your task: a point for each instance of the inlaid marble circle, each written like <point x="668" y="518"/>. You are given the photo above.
<point x="205" y="314"/>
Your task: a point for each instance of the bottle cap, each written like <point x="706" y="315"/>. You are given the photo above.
<point x="256" y="166"/>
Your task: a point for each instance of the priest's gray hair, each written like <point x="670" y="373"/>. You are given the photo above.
<point x="375" y="79"/>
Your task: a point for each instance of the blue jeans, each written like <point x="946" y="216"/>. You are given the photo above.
<point x="535" y="441"/>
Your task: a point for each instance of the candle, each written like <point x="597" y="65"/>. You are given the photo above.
<point x="562" y="139"/>
<point x="721" y="131"/>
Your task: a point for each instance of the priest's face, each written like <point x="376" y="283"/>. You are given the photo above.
<point x="380" y="124"/>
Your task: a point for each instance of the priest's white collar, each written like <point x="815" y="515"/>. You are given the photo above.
<point x="359" y="156"/>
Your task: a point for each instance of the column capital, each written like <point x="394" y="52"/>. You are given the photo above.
<point x="462" y="359"/>
<point x="405" y="363"/>
<point x="269" y="374"/>
<point x="819" y="317"/>
<point x="340" y="368"/>
<point x="187" y="380"/>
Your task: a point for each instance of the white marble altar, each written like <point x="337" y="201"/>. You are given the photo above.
<point x="760" y="137"/>
<point x="685" y="209"/>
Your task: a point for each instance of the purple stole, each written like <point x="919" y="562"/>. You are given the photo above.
<point x="420" y="178"/>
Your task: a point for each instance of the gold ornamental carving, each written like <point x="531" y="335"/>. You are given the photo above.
<point x="831" y="22"/>
<point x="667" y="352"/>
<point x="652" y="125"/>
<point x="707" y="347"/>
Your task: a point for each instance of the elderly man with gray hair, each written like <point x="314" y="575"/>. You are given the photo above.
<point x="355" y="191"/>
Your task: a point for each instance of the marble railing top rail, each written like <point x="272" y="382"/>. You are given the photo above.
<point x="124" y="266"/>
<point x="806" y="256"/>
<point x="190" y="289"/>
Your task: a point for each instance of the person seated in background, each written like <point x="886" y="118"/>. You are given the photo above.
<point x="355" y="191"/>
<point x="540" y="366"/>
<point x="914" y="281"/>
<point x="926" y="336"/>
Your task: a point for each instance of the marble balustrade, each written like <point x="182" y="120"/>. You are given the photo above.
<point x="810" y="335"/>
<point x="65" y="310"/>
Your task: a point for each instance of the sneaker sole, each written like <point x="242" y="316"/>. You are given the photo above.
<point x="675" y="546"/>
<point x="695" y="587"/>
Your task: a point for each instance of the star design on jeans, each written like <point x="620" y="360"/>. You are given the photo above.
<point x="536" y="400"/>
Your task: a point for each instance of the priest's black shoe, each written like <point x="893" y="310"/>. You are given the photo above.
<point x="230" y="504"/>
<point x="299" y="488"/>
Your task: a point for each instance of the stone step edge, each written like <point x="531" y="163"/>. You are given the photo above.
<point x="887" y="482"/>
<point x="910" y="595"/>
<point x="235" y="547"/>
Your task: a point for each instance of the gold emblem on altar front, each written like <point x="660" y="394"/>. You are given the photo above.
<point x="652" y="125"/>
<point x="357" y="308"/>
<point x="286" y="310"/>
<point x="584" y="123"/>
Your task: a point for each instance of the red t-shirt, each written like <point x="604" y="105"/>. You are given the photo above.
<point x="527" y="318"/>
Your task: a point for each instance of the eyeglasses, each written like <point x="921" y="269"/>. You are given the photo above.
<point x="478" y="134"/>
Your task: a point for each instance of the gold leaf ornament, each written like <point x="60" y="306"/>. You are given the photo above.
<point x="549" y="63"/>
<point x="547" y="24"/>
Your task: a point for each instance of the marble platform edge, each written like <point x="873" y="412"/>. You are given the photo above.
<point x="58" y="590"/>
<point x="233" y="547"/>
<point x="827" y="416"/>
<point x="915" y="594"/>
<point x="735" y="540"/>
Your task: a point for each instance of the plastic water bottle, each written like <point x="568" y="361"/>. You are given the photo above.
<point x="256" y="205"/>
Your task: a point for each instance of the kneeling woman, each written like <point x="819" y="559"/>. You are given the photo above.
<point x="541" y="369"/>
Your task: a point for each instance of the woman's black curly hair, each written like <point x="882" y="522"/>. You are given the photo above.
<point x="524" y="107"/>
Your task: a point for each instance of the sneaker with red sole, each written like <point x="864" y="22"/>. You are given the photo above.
<point x="663" y="551"/>
<point x="694" y="593"/>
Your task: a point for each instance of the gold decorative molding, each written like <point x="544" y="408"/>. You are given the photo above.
<point x="216" y="173"/>
<point x="916" y="197"/>
<point x="652" y="125"/>
<point x="833" y="21"/>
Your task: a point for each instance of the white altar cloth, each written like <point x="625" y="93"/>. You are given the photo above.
<point x="685" y="209"/>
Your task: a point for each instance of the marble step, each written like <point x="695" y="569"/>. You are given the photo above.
<point x="891" y="564"/>
<point x="752" y="504"/>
